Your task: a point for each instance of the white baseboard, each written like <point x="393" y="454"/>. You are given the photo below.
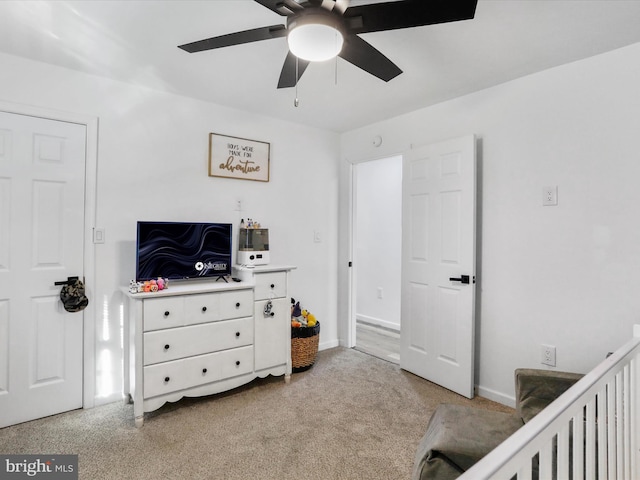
<point x="496" y="396"/>
<point x="328" y="345"/>
<point x="378" y="322"/>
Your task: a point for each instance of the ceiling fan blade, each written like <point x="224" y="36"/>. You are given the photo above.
<point x="363" y="55"/>
<point x="378" y="17"/>
<point x="247" y="36"/>
<point x="281" y="7"/>
<point x="288" y="73"/>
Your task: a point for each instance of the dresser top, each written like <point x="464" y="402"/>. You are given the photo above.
<point x="187" y="287"/>
<point x="265" y="268"/>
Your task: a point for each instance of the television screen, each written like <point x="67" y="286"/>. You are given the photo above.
<point x="180" y="250"/>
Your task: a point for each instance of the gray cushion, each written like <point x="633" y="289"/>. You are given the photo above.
<point x="457" y="437"/>
<point x="535" y="389"/>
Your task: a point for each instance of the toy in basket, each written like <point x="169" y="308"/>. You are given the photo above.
<point x="305" y="333"/>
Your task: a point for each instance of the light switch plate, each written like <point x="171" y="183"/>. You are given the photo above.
<point x="98" y="235"/>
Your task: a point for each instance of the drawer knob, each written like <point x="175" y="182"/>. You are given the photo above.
<point x="204" y="309"/>
<point x="166" y="379"/>
<point x="237" y="362"/>
<point x="166" y="314"/>
<point x="238" y="305"/>
<point x="204" y="370"/>
<point x="273" y="286"/>
<point x="237" y="334"/>
<point x="166" y="347"/>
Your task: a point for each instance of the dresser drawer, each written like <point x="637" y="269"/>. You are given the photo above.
<point x="163" y="313"/>
<point x="190" y="372"/>
<point x="174" y="343"/>
<point x="270" y="285"/>
<point x="202" y="308"/>
<point x="236" y="304"/>
<point x="210" y="307"/>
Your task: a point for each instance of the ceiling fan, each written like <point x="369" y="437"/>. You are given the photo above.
<point x="317" y="30"/>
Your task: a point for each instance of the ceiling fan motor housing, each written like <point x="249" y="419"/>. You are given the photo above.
<point x="315" y="34"/>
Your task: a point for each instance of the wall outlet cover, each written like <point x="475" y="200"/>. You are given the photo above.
<point x="548" y="355"/>
<point x="550" y="196"/>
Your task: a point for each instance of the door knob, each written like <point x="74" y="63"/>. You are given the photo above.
<point x="462" y="279"/>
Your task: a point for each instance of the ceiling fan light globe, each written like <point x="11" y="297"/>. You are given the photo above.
<point x="315" y="42"/>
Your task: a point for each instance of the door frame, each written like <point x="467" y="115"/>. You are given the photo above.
<point x="350" y="340"/>
<point x="90" y="187"/>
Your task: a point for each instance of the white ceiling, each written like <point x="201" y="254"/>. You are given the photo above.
<point x="135" y="41"/>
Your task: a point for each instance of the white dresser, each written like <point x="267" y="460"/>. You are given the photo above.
<point x="198" y="338"/>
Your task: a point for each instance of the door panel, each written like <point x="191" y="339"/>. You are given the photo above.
<point x="42" y="179"/>
<point x="5" y="225"/>
<point x="418" y="304"/>
<point x="47" y="224"/>
<point x="437" y="336"/>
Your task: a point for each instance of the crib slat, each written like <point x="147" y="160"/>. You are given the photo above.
<point x="525" y="472"/>
<point x="626" y="408"/>
<point x="591" y="440"/>
<point x="563" y="452"/>
<point x="578" y="444"/>
<point x="611" y="429"/>
<point x="619" y="426"/>
<point x="601" y="427"/>
<point x="546" y="466"/>
<point x="634" y="418"/>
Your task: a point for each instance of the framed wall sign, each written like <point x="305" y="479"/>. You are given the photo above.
<point x="234" y="157"/>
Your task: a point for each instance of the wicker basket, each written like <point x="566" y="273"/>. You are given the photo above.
<point x="304" y="347"/>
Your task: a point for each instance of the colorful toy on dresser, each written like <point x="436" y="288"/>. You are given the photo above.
<point x="149" y="285"/>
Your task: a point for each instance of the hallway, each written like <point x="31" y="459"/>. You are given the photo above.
<point x="380" y="342"/>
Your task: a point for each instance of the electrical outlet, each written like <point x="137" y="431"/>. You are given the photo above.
<point x="379" y="292"/>
<point x="550" y="196"/>
<point x="548" y="355"/>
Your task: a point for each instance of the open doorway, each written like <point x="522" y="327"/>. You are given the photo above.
<point x="377" y="235"/>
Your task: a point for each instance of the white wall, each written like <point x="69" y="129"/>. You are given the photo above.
<point x="152" y="165"/>
<point x="561" y="275"/>
<point x="378" y="234"/>
<point x="566" y="275"/>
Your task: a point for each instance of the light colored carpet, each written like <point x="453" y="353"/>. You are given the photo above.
<point x="351" y="416"/>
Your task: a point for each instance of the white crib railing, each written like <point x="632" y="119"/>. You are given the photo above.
<point x="592" y="431"/>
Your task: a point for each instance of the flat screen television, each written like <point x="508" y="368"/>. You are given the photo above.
<point x="183" y="250"/>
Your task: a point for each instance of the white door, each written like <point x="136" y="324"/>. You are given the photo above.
<point x="438" y="258"/>
<point x="42" y="179"/>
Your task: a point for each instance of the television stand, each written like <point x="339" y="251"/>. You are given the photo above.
<point x="221" y="277"/>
